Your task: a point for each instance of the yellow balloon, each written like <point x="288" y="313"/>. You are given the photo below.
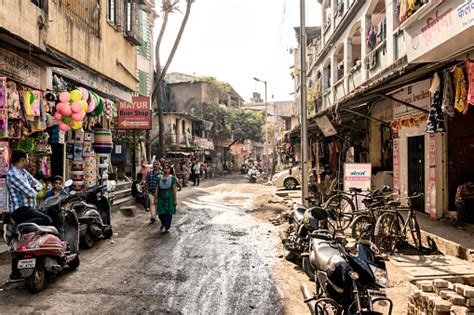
<point x="76" y="95"/>
<point x="84" y="105"/>
<point x="77" y="125"/>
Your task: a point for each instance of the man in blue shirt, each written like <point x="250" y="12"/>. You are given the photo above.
<point x="57" y="189"/>
<point x="22" y="191"/>
<point x="151" y="184"/>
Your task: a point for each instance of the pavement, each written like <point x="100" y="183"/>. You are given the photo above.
<point x="222" y="256"/>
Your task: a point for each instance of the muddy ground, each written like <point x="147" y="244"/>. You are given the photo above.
<point x="222" y="256"/>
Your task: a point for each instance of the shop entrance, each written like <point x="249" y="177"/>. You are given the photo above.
<point x="416" y="170"/>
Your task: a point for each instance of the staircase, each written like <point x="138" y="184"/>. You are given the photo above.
<point x="123" y="194"/>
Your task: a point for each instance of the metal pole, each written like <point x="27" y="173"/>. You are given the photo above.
<point x="134" y="156"/>
<point x="266" y="128"/>
<point x="304" y="131"/>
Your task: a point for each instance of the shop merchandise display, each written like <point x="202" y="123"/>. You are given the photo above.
<point x="34" y="120"/>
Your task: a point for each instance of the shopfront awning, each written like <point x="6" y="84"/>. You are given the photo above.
<point x="28" y="51"/>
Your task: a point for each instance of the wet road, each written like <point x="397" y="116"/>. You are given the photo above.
<point x="218" y="259"/>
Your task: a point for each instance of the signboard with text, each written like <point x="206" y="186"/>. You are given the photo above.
<point x="357" y="175"/>
<point x="417" y="94"/>
<point x="135" y="115"/>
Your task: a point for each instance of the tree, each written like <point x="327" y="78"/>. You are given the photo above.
<point x="168" y="7"/>
<point x="245" y="125"/>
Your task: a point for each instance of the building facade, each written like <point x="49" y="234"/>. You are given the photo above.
<point x="376" y="71"/>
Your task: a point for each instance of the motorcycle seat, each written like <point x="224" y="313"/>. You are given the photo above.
<point x="324" y="252"/>
<point x="48" y="229"/>
<point x="298" y="214"/>
<point x="39" y="228"/>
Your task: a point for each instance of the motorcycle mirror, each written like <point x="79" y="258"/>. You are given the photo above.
<point x="319" y="213"/>
<point x="68" y="183"/>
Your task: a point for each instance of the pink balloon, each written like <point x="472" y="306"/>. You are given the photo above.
<point x="78" y="116"/>
<point x="64" y="97"/>
<point x="66" y="110"/>
<point x="85" y="93"/>
<point x="64" y="127"/>
<point x="58" y="116"/>
<point x="76" y="107"/>
<point x="59" y="106"/>
<point x="91" y="105"/>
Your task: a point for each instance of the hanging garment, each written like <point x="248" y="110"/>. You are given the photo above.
<point x="461" y="89"/>
<point x="435" y="122"/>
<point x="13" y="101"/>
<point x="447" y="104"/>
<point x="470" y="84"/>
<point x="403" y="12"/>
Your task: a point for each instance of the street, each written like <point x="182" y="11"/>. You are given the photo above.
<point x="218" y="259"/>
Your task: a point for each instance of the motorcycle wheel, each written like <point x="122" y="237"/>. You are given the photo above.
<point x="289" y="255"/>
<point x="108" y="232"/>
<point x="88" y="240"/>
<point x="73" y="264"/>
<point x="308" y="270"/>
<point x="37" y="281"/>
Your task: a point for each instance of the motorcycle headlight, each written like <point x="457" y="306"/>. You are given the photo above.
<point x="380" y="276"/>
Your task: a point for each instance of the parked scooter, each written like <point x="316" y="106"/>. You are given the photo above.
<point x="296" y="238"/>
<point x="253" y="174"/>
<point x="93" y="210"/>
<point x="39" y="252"/>
<point x="345" y="283"/>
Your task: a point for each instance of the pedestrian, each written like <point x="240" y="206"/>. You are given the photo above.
<point x="197" y="173"/>
<point x="137" y="190"/>
<point x="151" y="184"/>
<point x="192" y="174"/>
<point x="205" y="168"/>
<point x="166" y="198"/>
<point x="57" y="189"/>
<point x="184" y="172"/>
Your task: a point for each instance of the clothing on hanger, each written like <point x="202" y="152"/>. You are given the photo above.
<point x="470" y="84"/>
<point x="448" y="95"/>
<point x="435" y="121"/>
<point x="460" y="97"/>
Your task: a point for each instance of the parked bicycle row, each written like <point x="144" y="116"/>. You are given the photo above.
<point x="340" y="244"/>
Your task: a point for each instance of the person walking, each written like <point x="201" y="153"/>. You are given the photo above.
<point x="184" y="172"/>
<point x="166" y="198"/>
<point x="197" y="172"/>
<point x="151" y="184"/>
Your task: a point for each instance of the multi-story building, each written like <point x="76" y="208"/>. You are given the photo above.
<point x="376" y="68"/>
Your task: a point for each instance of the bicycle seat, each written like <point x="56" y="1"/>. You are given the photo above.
<point x="394" y="203"/>
<point x="355" y="190"/>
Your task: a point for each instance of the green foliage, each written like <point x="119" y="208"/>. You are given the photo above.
<point x="239" y="124"/>
<point x="223" y="87"/>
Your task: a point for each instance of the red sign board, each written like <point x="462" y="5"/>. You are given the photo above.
<point x="135" y="115"/>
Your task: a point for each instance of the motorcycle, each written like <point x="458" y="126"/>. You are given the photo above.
<point x="346" y="283"/>
<point x="295" y="239"/>
<point x="243" y="170"/>
<point x="39" y="252"/>
<point x="253" y="175"/>
<point x="93" y="211"/>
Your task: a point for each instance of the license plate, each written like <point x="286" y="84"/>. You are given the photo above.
<point x="27" y="263"/>
<point x="376" y="293"/>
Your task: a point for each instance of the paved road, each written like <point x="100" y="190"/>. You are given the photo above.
<point x="218" y="259"/>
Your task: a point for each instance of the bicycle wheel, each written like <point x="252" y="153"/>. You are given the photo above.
<point x="415" y="232"/>
<point x="344" y="211"/>
<point x="387" y="232"/>
<point x="360" y="225"/>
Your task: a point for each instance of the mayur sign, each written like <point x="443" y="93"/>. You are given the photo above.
<point x="135" y="115"/>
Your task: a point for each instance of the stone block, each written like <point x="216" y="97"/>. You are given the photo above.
<point x="469" y="302"/>
<point x="440" y="283"/>
<point x="425" y="285"/>
<point x="469" y="280"/>
<point x="460" y="310"/>
<point x="441" y="305"/>
<point x="416" y="293"/>
<point x="444" y="293"/>
<point x="468" y="291"/>
<point x="456" y="299"/>
<point x="441" y="313"/>
<point x="459" y="288"/>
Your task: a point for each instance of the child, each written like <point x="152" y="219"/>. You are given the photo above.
<point x="57" y="190"/>
<point x="137" y="190"/>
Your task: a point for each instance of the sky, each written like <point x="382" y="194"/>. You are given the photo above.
<point x="236" y="40"/>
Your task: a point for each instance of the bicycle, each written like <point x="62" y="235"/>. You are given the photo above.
<point x="391" y="229"/>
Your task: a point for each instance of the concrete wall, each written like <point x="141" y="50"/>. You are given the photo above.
<point x="99" y="53"/>
<point x="186" y="98"/>
<point x="21" y="19"/>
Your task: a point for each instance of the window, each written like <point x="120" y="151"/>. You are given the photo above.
<point x="128" y="15"/>
<point x="38" y="3"/>
<point x="112" y="11"/>
<point x="144" y="33"/>
<point x="143" y="84"/>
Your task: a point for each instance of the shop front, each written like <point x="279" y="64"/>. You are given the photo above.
<point x="443" y="34"/>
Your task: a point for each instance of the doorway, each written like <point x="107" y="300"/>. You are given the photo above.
<point x="416" y="170"/>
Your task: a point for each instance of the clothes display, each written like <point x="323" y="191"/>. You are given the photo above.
<point x="447" y="104"/>
<point x="470" y="84"/>
<point x="460" y="82"/>
<point x="435" y="122"/>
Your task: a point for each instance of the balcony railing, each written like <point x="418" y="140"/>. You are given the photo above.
<point x="84" y="12"/>
<point x="400" y="46"/>
<point x="339" y="90"/>
<point x="327" y="99"/>
<point x="377" y="59"/>
<point x="355" y="77"/>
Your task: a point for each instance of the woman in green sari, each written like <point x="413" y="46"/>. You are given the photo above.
<point x="166" y="198"/>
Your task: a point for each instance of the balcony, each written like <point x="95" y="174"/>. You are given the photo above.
<point x="376" y="61"/>
<point x="327" y="99"/>
<point x="339" y="90"/>
<point x="355" y="77"/>
<point x="400" y="46"/>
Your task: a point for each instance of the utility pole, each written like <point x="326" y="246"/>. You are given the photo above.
<point x="266" y="121"/>
<point x="304" y="127"/>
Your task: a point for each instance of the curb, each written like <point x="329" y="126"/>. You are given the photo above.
<point x="447" y="247"/>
